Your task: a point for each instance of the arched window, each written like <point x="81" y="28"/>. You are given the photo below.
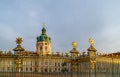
<point x="46" y="70"/>
<point x="46" y="48"/>
<point x="40" y="48"/>
<point x="45" y="43"/>
<point x="46" y="62"/>
<point x="26" y="68"/>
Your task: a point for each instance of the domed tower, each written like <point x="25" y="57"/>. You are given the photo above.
<point x="43" y="45"/>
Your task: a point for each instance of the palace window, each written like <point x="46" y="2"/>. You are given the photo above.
<point x="42" y="63"/>
<point x="26" y="69"/>
<point x="46" y="62"/>
<point x="31" y="63"/>
<point x="55" y="64"/>
<point x="21" y="69"/>
<point x="50" y="62"/>
<point x="12" y="68"/>
<point x="41" y="69"/>
<point x="46" y="70"/>
<point x="10" y="63"/>
<point x="31" y="69"/>
<point x="50" y="70"/>
<point x="58" y="69"/>
<point x="58" y="64"/>
<point x="8" y="68"/>
<point x="55" y="69"/>
<point x="3" y="68"/>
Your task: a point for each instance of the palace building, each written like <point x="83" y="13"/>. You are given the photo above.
<point x="72" y="64"/>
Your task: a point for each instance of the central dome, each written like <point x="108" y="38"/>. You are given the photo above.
<point x="43" y="37"/>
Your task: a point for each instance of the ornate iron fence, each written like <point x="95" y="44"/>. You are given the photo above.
<point x="111" y="68"/>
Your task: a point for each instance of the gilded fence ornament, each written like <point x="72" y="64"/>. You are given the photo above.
<point x="19" y="40"/>
<point x="74" y="44"/>
<point x="91" y="41"/>
<point x="92" y="61"/>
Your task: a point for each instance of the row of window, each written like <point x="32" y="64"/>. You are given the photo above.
<point x="42" y="63"/>
<point x="31" y="69"/>
<point x="6" y="62"/>
<point x="41" y="48"/>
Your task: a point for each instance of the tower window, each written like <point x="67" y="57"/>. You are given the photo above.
<point x="41" y="44"/>
<point x="45" y="48"/>
<point x="40" y="48"/>
<point x="45" y="43"/>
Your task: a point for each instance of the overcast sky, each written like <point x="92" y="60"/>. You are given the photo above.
<point x="66" y="21"/>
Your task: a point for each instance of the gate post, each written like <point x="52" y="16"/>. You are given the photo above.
<point x="92" y="56"/>
<point x="74" y="59"/>
<point x="18" y="53"/>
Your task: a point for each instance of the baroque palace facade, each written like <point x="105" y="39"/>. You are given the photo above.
<point x="44" y="61"/>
